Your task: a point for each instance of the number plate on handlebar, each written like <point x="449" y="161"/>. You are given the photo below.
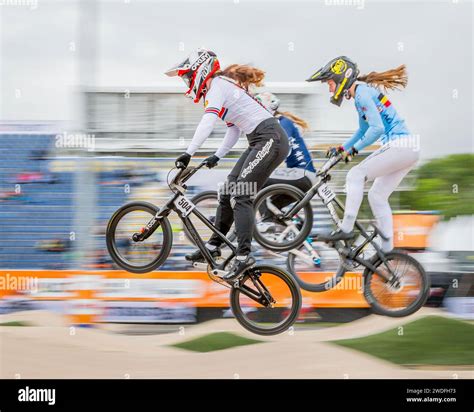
<point x="184" y="205"/>
<point x="326" y="193"/>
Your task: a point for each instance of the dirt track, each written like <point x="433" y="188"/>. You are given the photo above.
<point x="49" y="350"/>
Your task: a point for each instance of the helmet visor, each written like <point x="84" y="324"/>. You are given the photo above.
<point x="320" y="76"/>
<point x="178" y="69"/>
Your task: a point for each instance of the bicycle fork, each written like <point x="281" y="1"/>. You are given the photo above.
<point x="153" y="224"/>
<point x="344" y="249"/>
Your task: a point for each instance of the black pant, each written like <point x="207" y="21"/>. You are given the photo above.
<point x="304" y="183"/>
<point x="268" y="147"/>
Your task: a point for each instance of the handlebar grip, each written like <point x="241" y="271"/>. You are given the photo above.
<point x="185" y="172"/>
<point x="331" y="162"/>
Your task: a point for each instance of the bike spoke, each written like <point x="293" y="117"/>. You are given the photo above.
<point x="398" y="293"/>
<point x="136" y="253"/>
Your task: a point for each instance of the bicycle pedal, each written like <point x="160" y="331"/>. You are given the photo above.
<point x="219" y="273"/>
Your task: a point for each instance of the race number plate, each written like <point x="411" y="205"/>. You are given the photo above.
<point x="185" y="206"/>
<point x="326" y="193"/>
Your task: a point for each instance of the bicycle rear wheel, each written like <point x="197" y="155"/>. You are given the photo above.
<point x="138" y="256"/>
<point x="275" y="304"/>
<point x="397" y="297"/>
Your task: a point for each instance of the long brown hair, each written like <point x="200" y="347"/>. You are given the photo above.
<point x="296" y="119"/>
<point x="243" y="74"/>
<point x="389" y="80"/>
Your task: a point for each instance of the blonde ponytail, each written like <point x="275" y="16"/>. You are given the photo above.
<point x="388" y="80"/>
<point x="243" y="74"/>
<point x="296" y="119"/>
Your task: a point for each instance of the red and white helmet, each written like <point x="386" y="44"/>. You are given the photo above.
<point x="195" y="70"/>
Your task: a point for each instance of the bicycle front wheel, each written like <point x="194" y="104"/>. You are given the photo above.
<point x="271" y="230"/>
<point x="138" y="256"/>
<point x="404" y="293"/>
<point x="267" y="301"/>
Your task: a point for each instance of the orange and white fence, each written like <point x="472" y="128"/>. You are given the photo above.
<point x="87" y="297"/>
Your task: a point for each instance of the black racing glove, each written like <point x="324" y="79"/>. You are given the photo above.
<point x="182" y="161"/>
<point x="353" y="151"/>
<point x="347" y="156"/>
<point x="211" y="161"/>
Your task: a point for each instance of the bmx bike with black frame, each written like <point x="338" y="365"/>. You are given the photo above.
<point x="310" y="256"/>
<point x="394" y="283"/>
<point x="265" y="300"/>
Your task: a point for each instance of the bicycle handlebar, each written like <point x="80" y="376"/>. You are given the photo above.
<point x="185" y="174"/>
<point x="188" y="172"/>
<point x="330" y="163"/>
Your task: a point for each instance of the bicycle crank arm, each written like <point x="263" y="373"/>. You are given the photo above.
<point x="204" y="266"/>
<point x="217" y="272"/>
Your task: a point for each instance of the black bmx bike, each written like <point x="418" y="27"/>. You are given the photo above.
<point x="309" y="257"/>
<point x="266" y="300"/>
<point x="394" y="283"/>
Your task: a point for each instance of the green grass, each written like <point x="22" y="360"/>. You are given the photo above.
<point x="432" y="340"/>
<point x="15" y="323"/>
<point x="215" y="341"/>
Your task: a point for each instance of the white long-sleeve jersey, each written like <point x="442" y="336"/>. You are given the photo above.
<point x="233" y="105"/>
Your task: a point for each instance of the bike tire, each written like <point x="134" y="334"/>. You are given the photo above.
<point x="318" y="287"/>
<point x="412" y="308"/>
<point x="200" y="197"/>
<point x="110" y="237"/>
<point x="294" y="310"/>
<point x="292" y="262"/>
<point x="284" y="189"/>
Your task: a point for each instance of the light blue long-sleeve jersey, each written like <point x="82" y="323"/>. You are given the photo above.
<point x="377" y="119"/>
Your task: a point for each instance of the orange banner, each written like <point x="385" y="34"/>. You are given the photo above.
<point x="194" y="288"/>
<point x="411" y="230"/>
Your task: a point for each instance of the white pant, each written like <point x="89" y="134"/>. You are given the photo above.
<point x="387" y="167"/>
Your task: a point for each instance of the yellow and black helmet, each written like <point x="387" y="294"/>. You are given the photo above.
<point x="343" y="71"/>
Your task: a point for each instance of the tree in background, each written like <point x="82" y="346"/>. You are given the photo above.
<point x="445" y="185"/>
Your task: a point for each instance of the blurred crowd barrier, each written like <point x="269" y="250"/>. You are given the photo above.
<point x="54" y="207"/>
